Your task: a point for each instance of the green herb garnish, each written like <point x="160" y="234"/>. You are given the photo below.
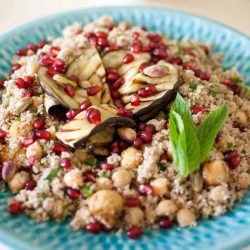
<point x="193" y="85"/>
<point x="52" y="174"/>
<point x="236" y="79"/>
<point x="180" y="53"/>
<point x="103" y="173"/>
<point x="86" y="192"/>
<point x="18" y="118"/>
<point x="190" y="144"/>
<point x="92" y="161"/>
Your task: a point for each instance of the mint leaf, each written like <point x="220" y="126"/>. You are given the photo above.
<point x="208" y="129"/>
<point x="188" y="148"/>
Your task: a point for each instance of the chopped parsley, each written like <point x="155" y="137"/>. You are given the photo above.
<point x="52" y="174"/>
<point x="103" y="173"/>
<point x="92" y="161"/>
<point x="86" y="192"/>
<point x="18" y="118"/>
<point x="180" y="53"/>
<point x="236" y="79"/>
<point x="193" y="85"/>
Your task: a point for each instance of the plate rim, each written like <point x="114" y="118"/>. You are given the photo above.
<point x="5" y="237"/>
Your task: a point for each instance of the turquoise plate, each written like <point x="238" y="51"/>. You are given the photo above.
<point x="231" y="231"/>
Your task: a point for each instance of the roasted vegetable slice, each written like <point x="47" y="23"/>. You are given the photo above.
<point x="114" y="59"/>
<point x="81" y="128"/>
<point x="153" y="88"/>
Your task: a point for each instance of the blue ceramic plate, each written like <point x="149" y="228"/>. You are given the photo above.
<point x="231" y="231"/>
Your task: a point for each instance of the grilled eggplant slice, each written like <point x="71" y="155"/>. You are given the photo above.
<point x="55" y="109"/>
<point x="162" y="77"/>
<point x="114" y="59"/>
<point x="78" y="130"/>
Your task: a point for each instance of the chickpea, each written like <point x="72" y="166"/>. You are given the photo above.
<point x="232" y="107"/>
<point x="19" y="129"/>
<point x="215" y="172"/>
<point x="241" y="117"/>
<point x="121" y="178"/>
<point x="131" y="158"/>
<point x="103" y="183"/>
<point x="225" y="141"/>
<point x="106" y="206"/>
<point x="134" y="216"/>
<point x="160" y="186"/>
<point x="246" y="108"/>
<point x="219" y="194"/>
<point x="166" y="208"/>
<point x="18" y="181"/>
<point x="244" y="180"/>
<point x="73" y="179"/>
<point x="127" y="134"/>
<point x="80" y="154"/>
<point x="185" y="217"/>
<point x="34" y="150"/>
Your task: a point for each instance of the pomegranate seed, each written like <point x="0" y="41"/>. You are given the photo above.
<point x="143" y="66"/>
<point x="125" y="112"/>
<point x="102" y="42"/>
<point x="111" y="70"/>
<point x="169" y="58"/>
<point x="28" y="80"/>
<point x="85" y="105"/>
<point x="66" y="163"/>
<point x="29" y="92"/>
<point x="112" y="77"/>
<point x="187" y="66"/>
<point x="61" y="70"/>
<point x="78" y="32"/>
<point x="69" y="90"/>
<point x="32" y="135"/>
<point x="135" y="35"/>
<point x="93" y="116"/>
<point x="146" y="136"/>
<point x="145" y="189"/>
<point x="46" y="62"/>
<point x="74" y="78"/>
<point x="41" y="44"/>
<point x="101" y="34"/>
<point x="51" y="71"/>
<point x="119" y="104"/>
<point x="31" y="161"/>
<point x="236" y="89"/>
<point x="15" y="67"/>
<point x="59" y="63"/>
<point x="26" y="142"/>
<point x="159" y="53"/>
<point x="145" y="49"/>
<point x="117" y="84"/>
<point x="115" y="94"/>
<point x="30" y="185"/>
<point x="20" y="82"/>
<point x="205" y="76"/>
<point x="39" y="123"/>
<point x="166" y="223"/>
<point x="43" y="134"/>
<point x="89" y="176"/>
<point x="111" y="48"/>
<point x="228" y="82"/>
<point x="32" y="47"/>
<point x="54" y="51"/>
<point x="134" y="232"/>
<point x="115" y="147"/>
<point x="150" y="89"/>
<point x="150" y="128"/>
<point x="15" y="208"/>
<point x="136" y="47"/>
<point x="133" y="202"/>
<point x="142" y="93"/>
<point x="2" y="134"/>
<point x="162" y="45"/>
<point x="154" y="37"/>
<point x="22" y="52"/>
<point x="93" y="90"/>
<point x="128" y="58"/>
<point x="43" y="56"/>
<point x="177" y="61"/>
<point x="138" y="143"/>
<point x="90" y="35"/>
<point x="59" y="148"/>
<point x="122" y="145"/>
<point x="135" y="101"/>
<point x="2" y="81"/>
<point x="233" y="159"/>
<point x="71" y="114"/>
<point x="94" y="228"/>
<point x="166" y="125"/>
<point x="107" y="166"/>
<point x="73" y="193"/>
<point x="142" y="126"/>
<point x="196" y="110"/>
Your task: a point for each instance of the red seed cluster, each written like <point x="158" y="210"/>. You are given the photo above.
<point x="93" y="116"/>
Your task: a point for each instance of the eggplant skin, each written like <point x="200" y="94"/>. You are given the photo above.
<point x="158" y="105"/>
<point x="118" y="120"/>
